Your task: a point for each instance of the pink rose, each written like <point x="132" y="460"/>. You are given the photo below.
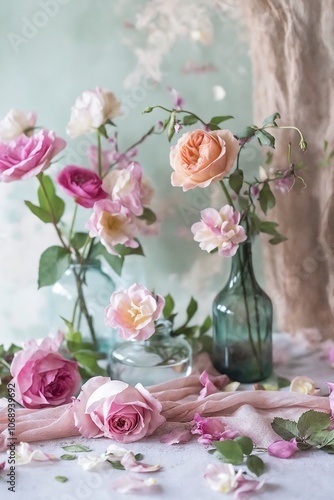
<point x="43" y="377"/>
<point x="113" y="224"/>
<point x="84" y="185"/>
<point x="219" y="230"/>
<point x="133" y="312"/>
<point x="26" y="157"/>
<point x="116" y="410"/>
<point x="201" y="157"/>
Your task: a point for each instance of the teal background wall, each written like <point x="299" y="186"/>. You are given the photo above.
<point x="79" y="47"/>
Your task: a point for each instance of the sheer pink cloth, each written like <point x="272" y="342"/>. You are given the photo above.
<point x="249" y="412"/>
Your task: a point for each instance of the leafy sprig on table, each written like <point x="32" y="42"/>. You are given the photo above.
<point x="312" y="431"/>
<point x="238" y="451"/>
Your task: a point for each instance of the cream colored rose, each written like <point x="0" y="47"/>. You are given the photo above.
<point x="92" y="109"/>
<point x="201" y="157"/>
<point x="15" y="123"/>
<point x="305" y="385"/>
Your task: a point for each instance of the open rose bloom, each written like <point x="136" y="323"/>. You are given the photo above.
<point x="43" y="377"/>
<point x="116" y="410"/>
<point x="15" y="123"/>
<point x="133" y="312"/>
<point x="201" y="157"/>
<point x="82" y="184"/>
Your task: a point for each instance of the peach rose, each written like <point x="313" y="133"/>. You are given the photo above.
<point x="201" y="157"/>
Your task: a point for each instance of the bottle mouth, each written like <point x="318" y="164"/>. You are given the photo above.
<point x="163" y="326"/>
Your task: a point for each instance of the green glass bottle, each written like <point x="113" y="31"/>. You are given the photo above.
<point x="242" y="323"/>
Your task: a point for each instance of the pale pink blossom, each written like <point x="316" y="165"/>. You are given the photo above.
<point x="26" y="454"/>
<point x="178" y="100"/>
<point x="26" y="157"/>
<point x="211" y="384"/>
<point x="201" y="157"/>
<point x="15" y="123"/>
<point x="130" y="463"/>
<point x="113" y="225"/>
<point x="282" y="448"/>
<point x="134" y="484"/>
<point x="222" y="477"/>
<point x="219" y="230"/>
<point x="124" y="185"/>
<point x="43" y="377"/>
<point x="211" y="429"/>
<point x="176" y="436"/>
<point x="304" y="385"/>
<point x="92" y="109"/>
<point x="116" y="410"/>
<point x="133" y="312"/>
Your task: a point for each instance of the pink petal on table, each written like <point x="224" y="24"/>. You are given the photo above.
<point x="282" y="448"/>
<point x="176" y="436"/>
<point x="130" y="463"/>
<point x="131" y="484"/>
<point x="211" y="384"/>
<point x="2" y="465"/>
<point x="26" y="454"/>
<point x="246" y="486"/>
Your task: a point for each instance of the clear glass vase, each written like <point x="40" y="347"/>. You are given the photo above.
<point x="80" y="297"/>
<point x="242" y="323"/>
<point x="153" y="361"/>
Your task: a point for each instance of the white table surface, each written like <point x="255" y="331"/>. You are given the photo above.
<point x="306" y="475"/>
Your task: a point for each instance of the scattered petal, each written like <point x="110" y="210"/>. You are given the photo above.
<point x="211" y="429"/>
<point x="176" y="436"/>
<point x="221" y="477"/>
<point x="130" y="463"/>
<point x="231" y="387"/>
<point x="246" y="486"/>
<point x="89" y="462"/>
<point x="26" y="454"/>
<point x="2" y="465"/>
<point x="211" y="384"/>
<point x="282" y="448"/>
<point x="304" y="385"/>
<point x="114" y="453"/>
<point x="131" y="484"/>
<point x="262" y="174"/>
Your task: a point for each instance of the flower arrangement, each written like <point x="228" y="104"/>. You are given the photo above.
<point x="114" y="194"/>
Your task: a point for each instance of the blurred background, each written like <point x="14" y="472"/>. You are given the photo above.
<point x="53" y="50"/>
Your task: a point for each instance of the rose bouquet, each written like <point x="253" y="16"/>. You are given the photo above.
<point x="113" y="193"/>
<point x="242" y="312"/>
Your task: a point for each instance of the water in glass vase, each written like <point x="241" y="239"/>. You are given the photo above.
<point x="153" y="361"/>
<point x="242" y="324"/>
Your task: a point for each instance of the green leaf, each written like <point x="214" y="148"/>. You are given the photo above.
<point x="279" y="238"/>
<point x="61" y="479"/>
<point x="103" y="131"/>
<point x="216" y="120"/>
<point x="271" y="120"/>
<point x="169" y="306"/>
<point x="88" y="360"/>
<point x="115" y="262"/>
<point x="139" y="457"/>
<point x="230" y="450"/>
<point x="243" y="202"/>
<point x="170" y="128"/>
<point x="266" y="198"/>
<point x="329" y="449"/>
<point x="76" y="448"/>
<point x="191" y="309"/>
<point x="124" y="251"/>
<point x="255" y="464"/>
<point x="268" y="227"/>
<point x="117" y="465"/>
<point x="236" y="180"/>
<point x="206" y="325"/>
<point x="52" y="264"/>
<point x="67" y="456"/>
<point x="43" y="215"/>
<point x="287" y="429"/>
<point x="321" y="438"/>
<point x="190" y="120"/>
<point x="312" y="421"/>
<point x="245" y="443"/>
<point x="78" y="240"/>
<point x="48" y="200"/>
<point x="148" y="215"/>
<point x="246" y="134"/>
<point x="282" y="382"/>
<point x="264" y="138"/>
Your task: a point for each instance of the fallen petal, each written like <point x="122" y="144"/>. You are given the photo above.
<point x="91" y="461"/>
<point x="114" y="452"/>
<point x="130" y="463"/>
<point x="283" y="449"/>
<point x="130" y="484"/>
<point x="26" y="454"/>
<point x="305" y="385"/>
<point x="176" y="436"/>
<point x="246" y="486"/>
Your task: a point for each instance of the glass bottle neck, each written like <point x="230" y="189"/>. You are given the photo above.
<point x="242" y="263"/>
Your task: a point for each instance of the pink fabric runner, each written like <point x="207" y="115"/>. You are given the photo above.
<point x="249" y="412"/>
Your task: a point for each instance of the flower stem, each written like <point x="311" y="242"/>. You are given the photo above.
<point x="73" y="222"/>
<point x="227" y="194"/>
<point x="79" y="282"/>
<point x="99" y="154"/>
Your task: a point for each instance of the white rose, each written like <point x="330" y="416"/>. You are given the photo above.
<point x="92" y="109"/>
<point x="15" y="123"/>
